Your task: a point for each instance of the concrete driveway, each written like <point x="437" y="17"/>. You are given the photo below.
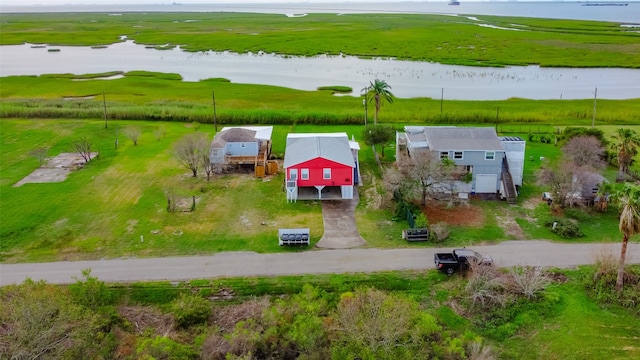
<point x="340" y="230"/>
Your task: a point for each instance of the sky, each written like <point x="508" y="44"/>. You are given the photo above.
<point x="113" y="2"/>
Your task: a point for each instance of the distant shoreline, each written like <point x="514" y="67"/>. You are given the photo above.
<point x="609" y="11"/>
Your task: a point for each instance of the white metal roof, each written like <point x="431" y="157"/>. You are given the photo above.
<point x="262" y="132"/>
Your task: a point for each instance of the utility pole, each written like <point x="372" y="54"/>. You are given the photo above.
<point x="215" y="118"/>
<point x="595" y="96"/>
<point x="497" y="117"/>
<point x="364" y="103"/>
<point x="104" y="104"/>
<point x="441" y="99"/>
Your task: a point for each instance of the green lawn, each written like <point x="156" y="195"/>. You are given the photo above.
<point x="581" y="330"/>
<point x="105" y="208"/>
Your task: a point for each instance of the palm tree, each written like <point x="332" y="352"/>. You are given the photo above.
<point x="379" y="89"/>
<point x="629" y="202"/>
<point x="626" y="142"/>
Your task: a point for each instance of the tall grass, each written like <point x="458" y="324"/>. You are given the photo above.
<point x="152" y="96"/>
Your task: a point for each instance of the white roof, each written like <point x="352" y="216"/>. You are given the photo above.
<point x="308" y="146"/>
<point x="262" y="132"/>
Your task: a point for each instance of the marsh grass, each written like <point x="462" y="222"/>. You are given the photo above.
<point x="141" y="95"/>
<point x="420" y="37"/>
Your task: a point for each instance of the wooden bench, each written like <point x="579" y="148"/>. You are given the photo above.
<point x="298" y="236"/>
<point x="421" y="234"/>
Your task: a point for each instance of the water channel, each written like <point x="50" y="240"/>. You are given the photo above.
<point x="408" y="79"/>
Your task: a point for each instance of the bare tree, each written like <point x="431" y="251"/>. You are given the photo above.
<point x="425" y="169"/>
<point x="585" y="151"/>
<point x="205" y="161"/>
<point x="397" y="185"/>
<point x="83" y="147"/>
<point x="189" y="151"/>
<point x="133" y="133"/>
<point x="40" y="154"/>
<point x="159" y="133"/>
<point x="565" y="180"/>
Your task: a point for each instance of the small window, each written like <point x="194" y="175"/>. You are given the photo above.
<point x="326" y="173"/>
<point x="304" y="174"/>
<point x="489" y="155"/>
<point x="293" y="174"/>
<point x="457" y="155"/>
<point x="444" y="155"/>
<point x="469" y="168"/>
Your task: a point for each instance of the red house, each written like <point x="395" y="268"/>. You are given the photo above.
<point x="320" y="166"/>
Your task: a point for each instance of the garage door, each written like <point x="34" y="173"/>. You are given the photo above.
<point x="486" y="183"/>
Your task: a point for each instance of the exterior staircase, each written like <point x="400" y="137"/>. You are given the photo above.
<point x="507" y="182"/>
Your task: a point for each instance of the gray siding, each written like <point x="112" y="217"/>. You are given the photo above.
<point x="242" y="148"/>
<point x="480" y="165"/>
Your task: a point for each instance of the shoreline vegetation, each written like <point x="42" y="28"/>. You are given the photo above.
<point x="461" y="40"/>
<point x="142" y="95"/>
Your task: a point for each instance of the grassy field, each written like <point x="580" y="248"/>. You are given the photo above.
<point x="437" y="38"/>
<point x="153" y="96"/>
<point x="104" y="209"/>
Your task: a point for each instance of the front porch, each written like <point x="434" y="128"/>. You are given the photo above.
<point x="324" y="193"/>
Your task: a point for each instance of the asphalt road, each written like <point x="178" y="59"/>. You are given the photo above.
<point x="232" y="264"/>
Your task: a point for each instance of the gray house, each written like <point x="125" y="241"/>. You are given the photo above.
<point x="478" y="151"/>
<point x="245" y="145"/>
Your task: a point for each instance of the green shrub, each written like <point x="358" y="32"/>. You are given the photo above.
<point x="90" y="291"/>
<point x="161" y="347"/>
<point x="190" y="310"/>
<point x="564" y="228"/>
<point x="600" y="284"/>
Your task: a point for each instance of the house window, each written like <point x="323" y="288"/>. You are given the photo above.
<point x="293" y="174"/>
<point x="326" y="173"/>
<point x="457" y="155"/>
<point x="489" y="155"/>
<point x="444" y="155"/>
<point x="304" y="174"/>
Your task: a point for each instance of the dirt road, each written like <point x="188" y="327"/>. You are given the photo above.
<point x="311" y="262"/>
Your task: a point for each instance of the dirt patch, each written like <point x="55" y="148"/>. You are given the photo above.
<point x="467" y="215"/>
<point x="510" y="227"/>
<point x="56" y="169"/>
